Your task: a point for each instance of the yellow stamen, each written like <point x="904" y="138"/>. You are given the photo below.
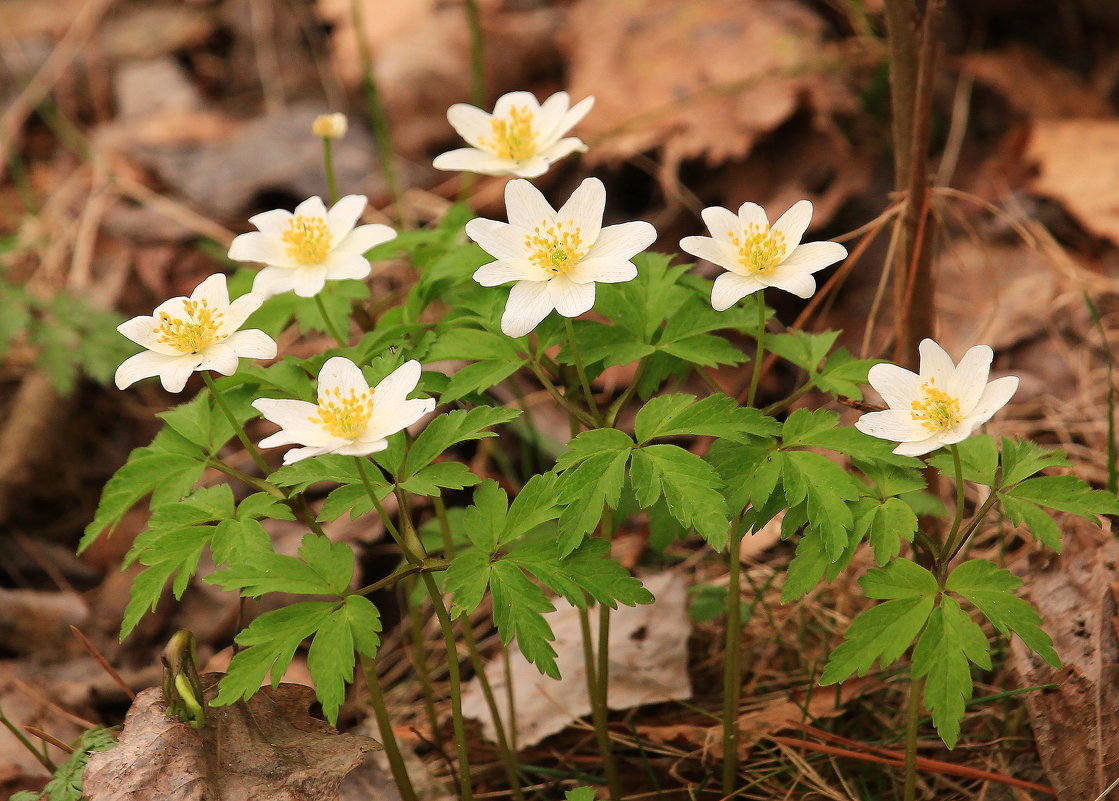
<point x="760" y="249"/>
<point x="555" y="248"/>
<point x="513" y="137"/>
<point x="345" y="416"/>
<point x="938" y="411"/>
<point x="308" y="239"/>
<point x="195" y="331"/>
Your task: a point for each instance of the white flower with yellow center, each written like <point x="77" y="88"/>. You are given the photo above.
<point x="760" y="255"/>
<point x="195" y="333"/>
<point x="555" y="257"/>
<point x="941" y="405"/>
<point x="521" y="137"/>
<point x="349" y="418"/>
<point x="305" y="249"/>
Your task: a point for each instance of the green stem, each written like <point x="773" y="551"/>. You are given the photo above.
<point x="602" y="679"/>
<point x="328" y="166"/>
<point x="572" y="410"/>
<point x="592" y="404"/>
<point x="912" y="716"/>
<point x="329" y="324"/>
<point x="620" y="403"/>
<point x="238" y="429"/>
<point x="403" y="572"/>
<point x="477" y="53"/>
<point x="384" y="724"/>
<point x="14" y="729"/>
<point x="419" y="655"/>
<point x="378" y="119"/>
<point x="732" y="671"/>
<point x="508" y="758"/>
<point x="759" y="352"/>
<point x="784" y="403"/>
<point x="260" y="485"/>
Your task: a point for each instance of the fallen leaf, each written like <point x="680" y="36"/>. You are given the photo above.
<point x="1076" y="724"/>
<point x="648" y="665"/>
<point x="1035" y="85"/>
<point x="25" y="692"/>
<point x="266" y="749"/>
<point x="37" y="624"/>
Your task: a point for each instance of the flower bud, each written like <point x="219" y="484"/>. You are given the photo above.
<point x="330" y="126"/>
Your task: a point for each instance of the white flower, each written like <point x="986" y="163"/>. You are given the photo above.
<point x="304" y="250"/>
<point x="521" y="137"/>
<point x="759" y="255"/>
<point x="555" y="256"/>
<point x="195" y="333"/>
<point x="350" y="418"/>
<point x="330" y="126"/>
<point x="942" y="405"/>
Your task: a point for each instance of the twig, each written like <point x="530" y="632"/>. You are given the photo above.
<point x="104" y="663"/>
<point x="48" y="738"/>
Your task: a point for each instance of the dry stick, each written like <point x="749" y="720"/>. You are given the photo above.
<point x="35" y="731"/>
<point x="103" y="662"/>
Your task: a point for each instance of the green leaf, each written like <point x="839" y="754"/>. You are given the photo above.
<point x="801" y="348"/>
<point x="580" y="794"/>
<point x="451" y="428"/>
<point x="485" y="519"/>
<point x="66" y="784"/>
<point x="991" y="589"/>
<point x="1022" y="459"/>
<point x="588" y="569"/>
<point x="609" y="344"/>
<point x="440" y="475"/>
<point x="689" y="485"/>
<point x="941" y="656"/>
<point x="1065" y="494"/>
<point x="353" y="626"/>
<point x="467" y="579"/>
<point x="807" y="568"/>
<point x="239" y="539"/>
<point x="261" y="505"/>
<point x="536" y="504"/>
<point x="706" y="350"/>
<point x="642" y="305"/>
<point x="843" y="374"/>
<point x="352" y="498"/>
<point x="715" y="416"/>
<point x="518" y="609"/>
<point x="323" y="568"/>
<point x="304" y="473"/>
<point x="593" y="471"/>
<point x="887" y="524"/>
<point x="885" y="631"/>
<point x="1036" y="519"/>
<point x="979" y="459"/>
<point x="590" y="443"/>
<point x="826" y="486"/>
<point x="270" y="642"/>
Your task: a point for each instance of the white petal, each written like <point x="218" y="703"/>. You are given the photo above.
<point x="800" y="284"/>
<point x="532" y="167"/>
<point x="526" y="206"/>
<point x="239" y="311"/>
<point x="213" y="292"/>
<point x="341" y="375"/>
<point x="506" y="102"/>
<point x="919" y="448"/>
<point x="564" y="147"/>
<point x="219" y="357"/>
<point x="604" y="271"/>
<point x="506" y="270"/>
<point x="387" y="422"/>
<point x="712" y="250"/>
<point x="813" y="256"/>
<point x="548" y="120"/>
<point x="936" y="364"/>
<point x="142" y="365"/>
<point x="472" y="124"/>
<point x="338" y="266"/>
<point x="311" y="207"/>
<point x="622" y="241"/>
<point x="469" y="159"/>
<point x="892" y="424"/>
<point x="274" y="280"/>
<point x="500" y="240"/>
<point x="794" y="222"/>
<point x="969" y="379"/>
<point x="994" y="397"/>
<point x="360" y="448"/>
<point x="529" y="303"/>
<point x="299" y="454"/>
<point x="271" y="222"/>
<point x="143" y="331"/>
<point x="897" y="386"/>
<point x="394" y="387"/>
<point x="307" y="281"/>
<point x="575" y="115"/>
<point x="365" y="237"/>
<point x="729" y="288"/>
<point x="570" y="299"/>
<point x="254" y="246"/>
<point x="253" y="344"/>
<point x="584" y="209"/>
<point x="175" y="373"/>
<point x="343" y="216"/>
<point x="751" y="214"/>
<point x="722" y="223"/>
<point x="286" y="413"/>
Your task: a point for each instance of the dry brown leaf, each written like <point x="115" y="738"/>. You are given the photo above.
<point x="1035" y="85"/>
<point x="648" y="664"/>
<point x="37" y="624"/>
<point x="1077" y="161"/>
<point x="705" y="78"/>
<point x="1076" y="725"/>
<point x="24" y="694"/>
<point x="266" y="749"/>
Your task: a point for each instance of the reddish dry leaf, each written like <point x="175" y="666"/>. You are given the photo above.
<point x="1034" y="85"/>
<point x="1076" y="725"/>
<point x="266" y="749"/>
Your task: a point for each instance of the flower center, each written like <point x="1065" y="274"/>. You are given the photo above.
<point x="760" y="249"/>
<point x="345" y="416"/>
<point x="938" y="411"/>
<point x="308" y="239"/>
<point x="555" y="248"/>
<point x="195" y="331"/>
<point x="513" y="137"/>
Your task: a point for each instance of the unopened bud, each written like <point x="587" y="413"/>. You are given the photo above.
<point x="330" y="126"/>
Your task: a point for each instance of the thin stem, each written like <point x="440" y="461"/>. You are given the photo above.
<point x="912" y="716"/>
<point x="378" y="119"/>
<point x="238" y="429"/>
<point x="419" y="656"/>
<point x="732" y="670"/>
<point x="429" y="565"/>
<point x="602" y="679"/>
<point x="42" y="758"/>
<point x="784" y="403"/>
<point x="330" y="327"/>
<point x="619" y="404"/>
<point x="393" y="531"/>
<point x="571" y="409"/>
<point x="384" y="724"/>
<point x="973" y="524"/>
<point x="759" y="351"/>
<point x="477" y="53"/>
<point x="592" y="404"/>
<point x="328" y="166"/>
<point x="508" y="758"/>
<point x="258" y="484"/>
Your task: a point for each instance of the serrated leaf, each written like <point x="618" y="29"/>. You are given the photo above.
<point x="484" y="521"/>
<point x="706" y="350"/>
<point x="714" y="416"/>
<point x="590" y="443"/>
<point x="689" y="485"/>
<point x="991" y="589"/>
<point x="352" y="626"/>
<point x="1065" y="494"/>
<point x="806" y="569"/>
<point x="1022" y="458"/>
<point x="534" y="505"/>
<point x="304" y="473"/>
<point x="478" y="377"/>
<point x="324" y="568"/>
<point x="843" y="374"/>
<point x="803" y="349"/>
<point x="450" y="429"/>
<point x="262" y="505"/>
<point x="591" y="477"/>
<point x="440" y="475"/>
<point x="352" y="498"/>
<point x="588" y="569"/>
<point x="1036" y="519"/>
<point x="950" y="639"/>
<point x="518" y="609"/>
<point x="979" y="460"/>
<point x="826" y="487"/>
<point x="467" y="579"/>
<point x="886" y="524"/>
<point x="237" y="539"/>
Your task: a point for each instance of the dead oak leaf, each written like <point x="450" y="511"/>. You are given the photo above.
<point x="266" y="749"/>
